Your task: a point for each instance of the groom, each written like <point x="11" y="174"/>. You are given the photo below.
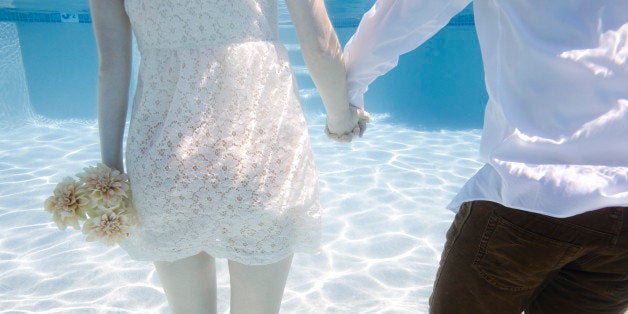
<point x="543" y="226"/>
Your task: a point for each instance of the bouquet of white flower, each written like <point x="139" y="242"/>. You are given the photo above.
<point x="101" y="198"/>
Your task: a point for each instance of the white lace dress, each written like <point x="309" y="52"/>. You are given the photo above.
<point x="218" y="152"/>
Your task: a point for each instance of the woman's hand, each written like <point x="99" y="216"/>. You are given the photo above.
<point x="347" y="126"/>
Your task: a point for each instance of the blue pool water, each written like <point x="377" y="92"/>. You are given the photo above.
<point x="384" y="195"/>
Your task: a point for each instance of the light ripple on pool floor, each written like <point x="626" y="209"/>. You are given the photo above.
<point x="384" y="224"/>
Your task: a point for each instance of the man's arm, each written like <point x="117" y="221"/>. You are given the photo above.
<point x="389" y="29"/>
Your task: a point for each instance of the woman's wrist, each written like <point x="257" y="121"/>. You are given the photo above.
<point x="343" y="121"/>
<point x="343" y="126"/>
<point x="113" y="162"/>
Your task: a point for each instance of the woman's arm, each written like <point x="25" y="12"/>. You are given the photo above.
<point x="113" y="36"/>
<point x="323" y="55"/>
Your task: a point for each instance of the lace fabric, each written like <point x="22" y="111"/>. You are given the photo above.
<point x="218" y="152"/>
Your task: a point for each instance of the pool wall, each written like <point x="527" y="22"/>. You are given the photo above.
<point x="60" y="62"/>
<point x="437" y="86"/>
<point x="14" y="98"/>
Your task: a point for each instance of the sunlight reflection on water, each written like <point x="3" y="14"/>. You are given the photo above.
<point x="384" y="223"/>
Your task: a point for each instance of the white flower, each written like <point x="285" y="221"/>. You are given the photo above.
<point x="106" y="187"/>
<point x="68" y="204"/>
<point x="102" y="196"/>
<point x="109" y="227"/>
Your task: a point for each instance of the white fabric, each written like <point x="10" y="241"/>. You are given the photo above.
<point x="218" y="152"/>
<point x="555" y="135"/>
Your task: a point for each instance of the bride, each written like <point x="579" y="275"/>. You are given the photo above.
<point x="218" y="153"/>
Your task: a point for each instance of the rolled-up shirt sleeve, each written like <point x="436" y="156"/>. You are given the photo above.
<point x="389" y="29"/>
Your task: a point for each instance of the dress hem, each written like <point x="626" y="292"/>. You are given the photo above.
<point x="257" y="260"/>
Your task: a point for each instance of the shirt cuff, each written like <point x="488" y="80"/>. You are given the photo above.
<point x="356" y="97"/>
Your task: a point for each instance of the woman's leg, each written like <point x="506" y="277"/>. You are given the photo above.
<point x="189" y="283"/>
<point x="258" y="288"/>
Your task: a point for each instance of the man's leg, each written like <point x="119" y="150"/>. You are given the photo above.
<point x="491" y="265"/>
<point x="595" y="283"/>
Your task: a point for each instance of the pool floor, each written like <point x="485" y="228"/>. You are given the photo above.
<point x="384" y="225"/>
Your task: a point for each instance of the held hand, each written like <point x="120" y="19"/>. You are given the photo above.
<point x="363" y="118"/>
<point x="345" y="128"/>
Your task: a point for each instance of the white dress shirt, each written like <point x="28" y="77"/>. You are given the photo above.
<point x="555" y="137"/>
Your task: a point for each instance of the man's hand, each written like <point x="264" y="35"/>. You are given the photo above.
<point x="363" y="118"/>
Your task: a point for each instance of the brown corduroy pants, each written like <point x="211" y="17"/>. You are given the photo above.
<point x="502" y="260"/>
